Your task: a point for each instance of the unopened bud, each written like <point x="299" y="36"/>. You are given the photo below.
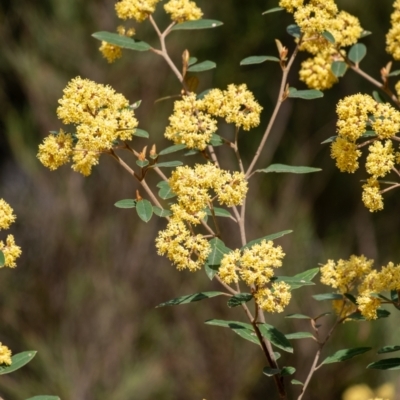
<point x="153" y="151"/>
<point x="142" y="154"/>
<point x="138" y="196"/>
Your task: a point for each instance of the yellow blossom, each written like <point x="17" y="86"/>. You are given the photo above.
<point x="345" y="28"/>
<point x="6" y="215"/>
<point x="84" y="160"/>
<point x="189" y="125"/>
<point x="314" y="18"/>
<point x="110" y="51"/>
<point x="11" y="251"/>
<point x="236" y="104"/>
<point x="380" y="159"/>
<point x="387" y="120"/>
<point x="343" y="307"/>
<point x="290" y="5"/>
<point x="275" y="299"/>
<point x="183" y="10"/>
<point x="138" y="10"/>
<point x="393" y="36"/>
<point x="368" y="306"/>
<point x="230" y="263"/>
<point x="5" y="355"/>
<point x="346" y="155"/>
<point x="372" y="197"/>
<point x="56" y="150"/>
<point x="316" y="72"/>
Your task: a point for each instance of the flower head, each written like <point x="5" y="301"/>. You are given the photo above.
<point x="5" y="355"/>
<point x="380" y="159"/>
<point x="183" y="10"/>
<point x="138" y="10"/>
<point x="346" y="155"/>
<point x="6" y="215"/>
<point x="11" y="251"/>
<point x="371" y="196"/>
<point x="393" y="36"/>
<point x="274" y="299"/>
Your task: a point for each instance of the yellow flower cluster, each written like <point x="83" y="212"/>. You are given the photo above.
<point x="255" y="267"/>
<point x="393" y="36"/>
<point x="111" y="52"/>
<point x="357" y="273"/>
<point x="189" y="124"/>
<point x="183" y="10"/>
<point x="196" y="189"/>
<point x="313" y="19"/>
<point x="9" y="249"/>
<point x="100" y="115"/>
<point x="236" y="104"/>
<point x="5" y="355"/>
<point x="138" y="10"/>
<point x="355" y="114"/>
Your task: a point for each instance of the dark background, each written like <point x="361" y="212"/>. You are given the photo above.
<point x="86" y="286"/>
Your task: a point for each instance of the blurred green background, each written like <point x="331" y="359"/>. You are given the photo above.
<point x="86" y="286"/>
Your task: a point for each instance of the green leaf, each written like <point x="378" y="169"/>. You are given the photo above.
<point x="190" y="298"/>
<point x="2" y="259"/>
<point x="294" y="30"/>
<point x="218" y="250"/>
<point x="329" y="140"/>
<point x="168" y="164"/>
<point x="281" y="168"/>
<point x="357" y="316"/>
<point x="328" y="36"/>
<point x="296" y="382"/>
<point x="305" y="94"/>
<point x="239" y="299"/>
<point x="172" y="149"/>
<point x="365" y="33"/>
<point x="395" y="73"/>
<point x="266" y="238"/>
<point x="135" y="105"/>
<point x="338" y="68"/>
<point x="271" y="371"/>
<point x="121" y="41"/>
<point x="201" y="95"/>
<point x="299" y="335"/>
<point x="308" y="274"/>
<point x="203" y="66"/>
<point x="328" y="296"/>
<point x="144" y="210"/>
<point x="377" y="97"/>
<point x="357" y="52"/>
<point x="192" y="60"/>
<point x="126" y="203"/>
<point x="198" y="24"/>
<point x="141" y="133"/>
<point x="367" y="134"/>
<point x="18" y="361"/>
<point x="286" y="371"/>
<point x="165" y="191"/>
<point x="258" y="60"/>
<point x="298" y="316"/>
<point x="388" y="349"/>
<point x="271" y="10"/>
<point x="387" y="364"/>
<point x="219" y="212"/>
<point x="350" y="297"/>
<point x="276" y="337"/>
<point x="293" y="282"/>
<point x="216" y="140"/>
<point x="161" y="212"/>
<point x="240" y="328"/>
<point x="44" y="397"/>
<point x="345" y="354"/>
<point x="142" y="163"/>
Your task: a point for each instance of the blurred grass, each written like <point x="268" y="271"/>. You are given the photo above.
<point x="86" y="286"/>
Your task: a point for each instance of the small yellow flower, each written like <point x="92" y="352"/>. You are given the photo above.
<point x="371" y="196"/>
<point x="380" y="159"/>
<point x="110" y="51"/>
<point x="346" y="155"/>
<point x="138" y="10"/>
<point x="6" y="215"/>
<point x="393" y="36"/>
<point x="11" y="251"/>
<point x="5" y="355"/>
<point x="230" y="263"/>
<point x="183" y="10"/>
<point x="290" y="5"/>
<point x="275" y="299"/>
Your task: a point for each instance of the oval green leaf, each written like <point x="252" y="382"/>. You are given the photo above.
<point x="216" y="140"/>
<point x="141" y="133"/>
<point x="298" y="316"/>
<point x="44" y="397"/>
<point x="161" y="212"/>
<point x="357" y="316"/>
<point x="203" y="66"/>
<point x="395" y="73"/>
<point x="219" y="212"/>
<point x="293" y="282"/>
<point x="388" y="349"/>
<point x="305" y="94"/>
<point x="168" y="164"/>
<point x="365" y="33"/>
<point x="387" y="364"/>
<point x="126" y="203"/>
<point x="172" y="149"/>
<point x="144" y="210"/>
<point x="258" y="60"/>
<point x="266" y="238"/>
<point x="240" y="328"/>
<point x="357" y="52"/>
<point x="296" y="382"/>
<point x="142" y="163"/>
<point x="18" y="361"/>
<point x="239" y="299"/>
<point x="328" y="36"/>
<point x="327" y="296"/>
<point x="294" y="30"/>
<point x="190" y="298"/>
<point x="2" y="259"/>
<point x="165" y="191"/>
<point x="192" y="60"/>
<point x="286" y="371"/>
<point x="198" y="24"/>
<point x="377" y="97"/>
<point x="211" y="270"/>
<point x="281" y="168"/>
<point x="276" y="337"/>
<point x="218" y="250"/>
<point x="271" y="371"/>
<point x="329" y="140"/>
<point x="345" y="354"/>
<point x="271" y="10"/>
<point x="121" y="41"/>
<point x="299" y="335"/>
<point x="338" y="68"/>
